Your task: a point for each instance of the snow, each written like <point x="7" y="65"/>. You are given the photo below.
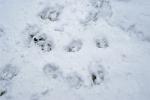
<point x="74" y="49"/>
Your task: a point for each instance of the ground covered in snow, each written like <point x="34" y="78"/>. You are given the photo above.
<point x="74" y="50"/>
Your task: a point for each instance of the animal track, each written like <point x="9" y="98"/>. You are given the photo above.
<point x="74" y="80"/>
<point x="101" y="43"/>
<point x="52" y="71"/>
<point x="39" y="39"/>
<point x="100" y="8"/>
<point x="48" y="46"/>
<point x="103" y="7"/>
<point x="42" y="41"/>
<point x="51" y="13"/>
<point x="45" y="44"/>
<point x="97" y="73"/>
<point x="74" y="46"/>
<point x="8" y="72"/>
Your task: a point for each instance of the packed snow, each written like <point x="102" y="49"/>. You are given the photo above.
<point x="74" y="50"/>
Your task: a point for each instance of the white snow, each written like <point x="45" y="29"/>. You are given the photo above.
<point x="74" y="49"/>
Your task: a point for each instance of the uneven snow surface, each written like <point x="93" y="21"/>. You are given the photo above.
<point x="74" y="50"/>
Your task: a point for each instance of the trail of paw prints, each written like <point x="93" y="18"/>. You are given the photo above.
<point x="7" y="74"/>
<point x="51" y="13"/>
<point x="73" y="79"/>
<point x="37" y="38"/>
<point x="53" y="72"/>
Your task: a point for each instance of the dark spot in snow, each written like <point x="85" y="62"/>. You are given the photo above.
<point x="93" y="78"/>
<point x="2" y="92"/>
<point x="35" y="40"/>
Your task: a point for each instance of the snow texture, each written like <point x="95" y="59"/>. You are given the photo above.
<point x="74" y="49"/>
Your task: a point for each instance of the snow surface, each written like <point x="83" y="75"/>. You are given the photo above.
<point x="74" y="50"/>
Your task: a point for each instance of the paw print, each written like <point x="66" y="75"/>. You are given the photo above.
<point x="51" y="13"/>
<point x="101" y="43"/>
<point x="48" y="46"/>
<point x="100" y="8"/>
<point x="97" y="74"/>
<point x="74" y="46"/>
<point x="36" y="37"/>
<point x="8" y="72"/>
<point x="43" y="42"/>
<point x="52" y="71"/>
<point x="74" y="80"/>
